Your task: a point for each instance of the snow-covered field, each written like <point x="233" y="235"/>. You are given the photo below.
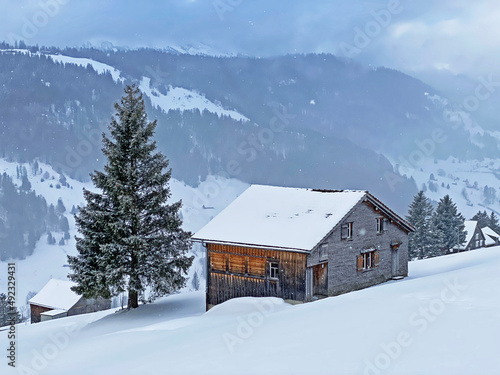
<point x="464" y="181"/>
<point x="200" y="205"/>
<point x="443" y="319"/>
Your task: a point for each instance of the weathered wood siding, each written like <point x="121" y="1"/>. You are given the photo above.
<point x="83" y="306"/>
<point x="35" y="311"/>
<point x="236" y="271"/>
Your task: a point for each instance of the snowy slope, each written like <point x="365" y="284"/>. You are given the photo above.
<point x="464" y="181"/>
<point x="50" y="261"/>
<point x="443" y="319"/>
<point x="185" y="100"/>
<point x="177" y="98"/>
<point x="99" y="67"/>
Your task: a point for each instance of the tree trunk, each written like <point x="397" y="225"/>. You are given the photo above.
<point x="132" y="299"/>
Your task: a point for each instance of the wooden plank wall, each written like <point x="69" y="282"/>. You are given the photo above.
<point x="237" y="271"/>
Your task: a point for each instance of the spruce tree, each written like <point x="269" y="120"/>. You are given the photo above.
<point x="131" y="239"/>
<point x="482" y="218"/>
<point x="8" y="313"/>
<point x="419" y="214"/>
<point x="436" y="239"/>
<point x="450" y="222"/>
<point x="493" y="222"/>
<point x="196" y="281"/>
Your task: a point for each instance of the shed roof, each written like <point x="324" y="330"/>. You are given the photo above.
<point x="56" y="294"/>
<point x="53" y="313"/>
<point x="490" y="236"/>
<point x="280" y="217"/>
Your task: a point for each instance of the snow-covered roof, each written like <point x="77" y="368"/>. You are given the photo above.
<point x="54" y="312"/>
<point x="490" y="236"/>
<point x="56" y="294"/>
<point x="271" y="216"/>
<point x="470" y="227"/>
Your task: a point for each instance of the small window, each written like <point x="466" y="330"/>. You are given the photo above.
<point x="346" y="231"/>
<point x="477" y="236"/>
<point x="380" y="225"/>
<point x="273" y="270"/>
<point x="323" y="252"/>
<point x="368" y="260"/>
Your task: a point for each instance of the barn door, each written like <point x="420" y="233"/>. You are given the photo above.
<point x="320" y="279"/>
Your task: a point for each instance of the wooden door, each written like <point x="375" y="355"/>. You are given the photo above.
<point x="320" y="279"/>
<point x="395" y="262"/>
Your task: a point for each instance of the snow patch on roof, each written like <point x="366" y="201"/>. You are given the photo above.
<point x="489" y="236"/>
<point x="272" y="216"/>
<point x="56" y="294"/>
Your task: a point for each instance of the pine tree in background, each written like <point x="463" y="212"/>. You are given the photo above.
<point x="131" y="238"/>
<point x="60" y="209"/>
<point x="436" y="239"/>
<point x="196" y="281"/>
<point x="419" y="215"/>
<point x="8" y="313"/>
<point x="451" y="224"/>
<point x="482" y="218"/>
<point x="493" y="222"/>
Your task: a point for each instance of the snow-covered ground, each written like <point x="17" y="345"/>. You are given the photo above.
<point x="177" y="98"/>
<point x="443" y="319"/>
<point x="464" y="181"/>
<point x="185" y="100"/>
<point x="200" y="205"/>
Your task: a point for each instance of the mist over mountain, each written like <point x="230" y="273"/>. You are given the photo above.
<point x="296" y="120"/>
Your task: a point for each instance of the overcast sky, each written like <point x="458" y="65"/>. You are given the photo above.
<point x="456" y="35"/>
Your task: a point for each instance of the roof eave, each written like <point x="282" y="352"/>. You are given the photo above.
<point x="257" y="246"/>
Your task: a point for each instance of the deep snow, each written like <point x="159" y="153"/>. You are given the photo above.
<point x="200" y="204"/>
<point x="443" y="319"/>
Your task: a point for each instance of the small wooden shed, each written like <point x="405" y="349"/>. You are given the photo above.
<point x="57" y="300"/>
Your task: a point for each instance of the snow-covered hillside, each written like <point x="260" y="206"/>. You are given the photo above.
<point x="177" y="98"/>
<point x="443" y="319"/>
<point x="200" y="204"/>
<point x="185" y="100"/>
<point x="464" y="181"/>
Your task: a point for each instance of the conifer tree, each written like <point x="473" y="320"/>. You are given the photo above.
<point x="493" y="222"/>
<point x="482" y="218"/>
<point x="450" y="222"/>
<point x="419" y="215"/>
<point x="436" y="238"/>
<point x="131" y="239"/>
<point x="8" y="313"/>
<point x="196" y="281"/>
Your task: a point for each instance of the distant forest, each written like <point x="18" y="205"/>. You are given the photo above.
<point x="25" y="216"/>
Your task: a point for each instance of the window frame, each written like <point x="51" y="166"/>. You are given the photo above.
<point x="346" y="231"/>
<point x="381" y="225"/>
<point x="368" y="260"/>
<point x="323" y="252"/>
<point x="274" y="269"/>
